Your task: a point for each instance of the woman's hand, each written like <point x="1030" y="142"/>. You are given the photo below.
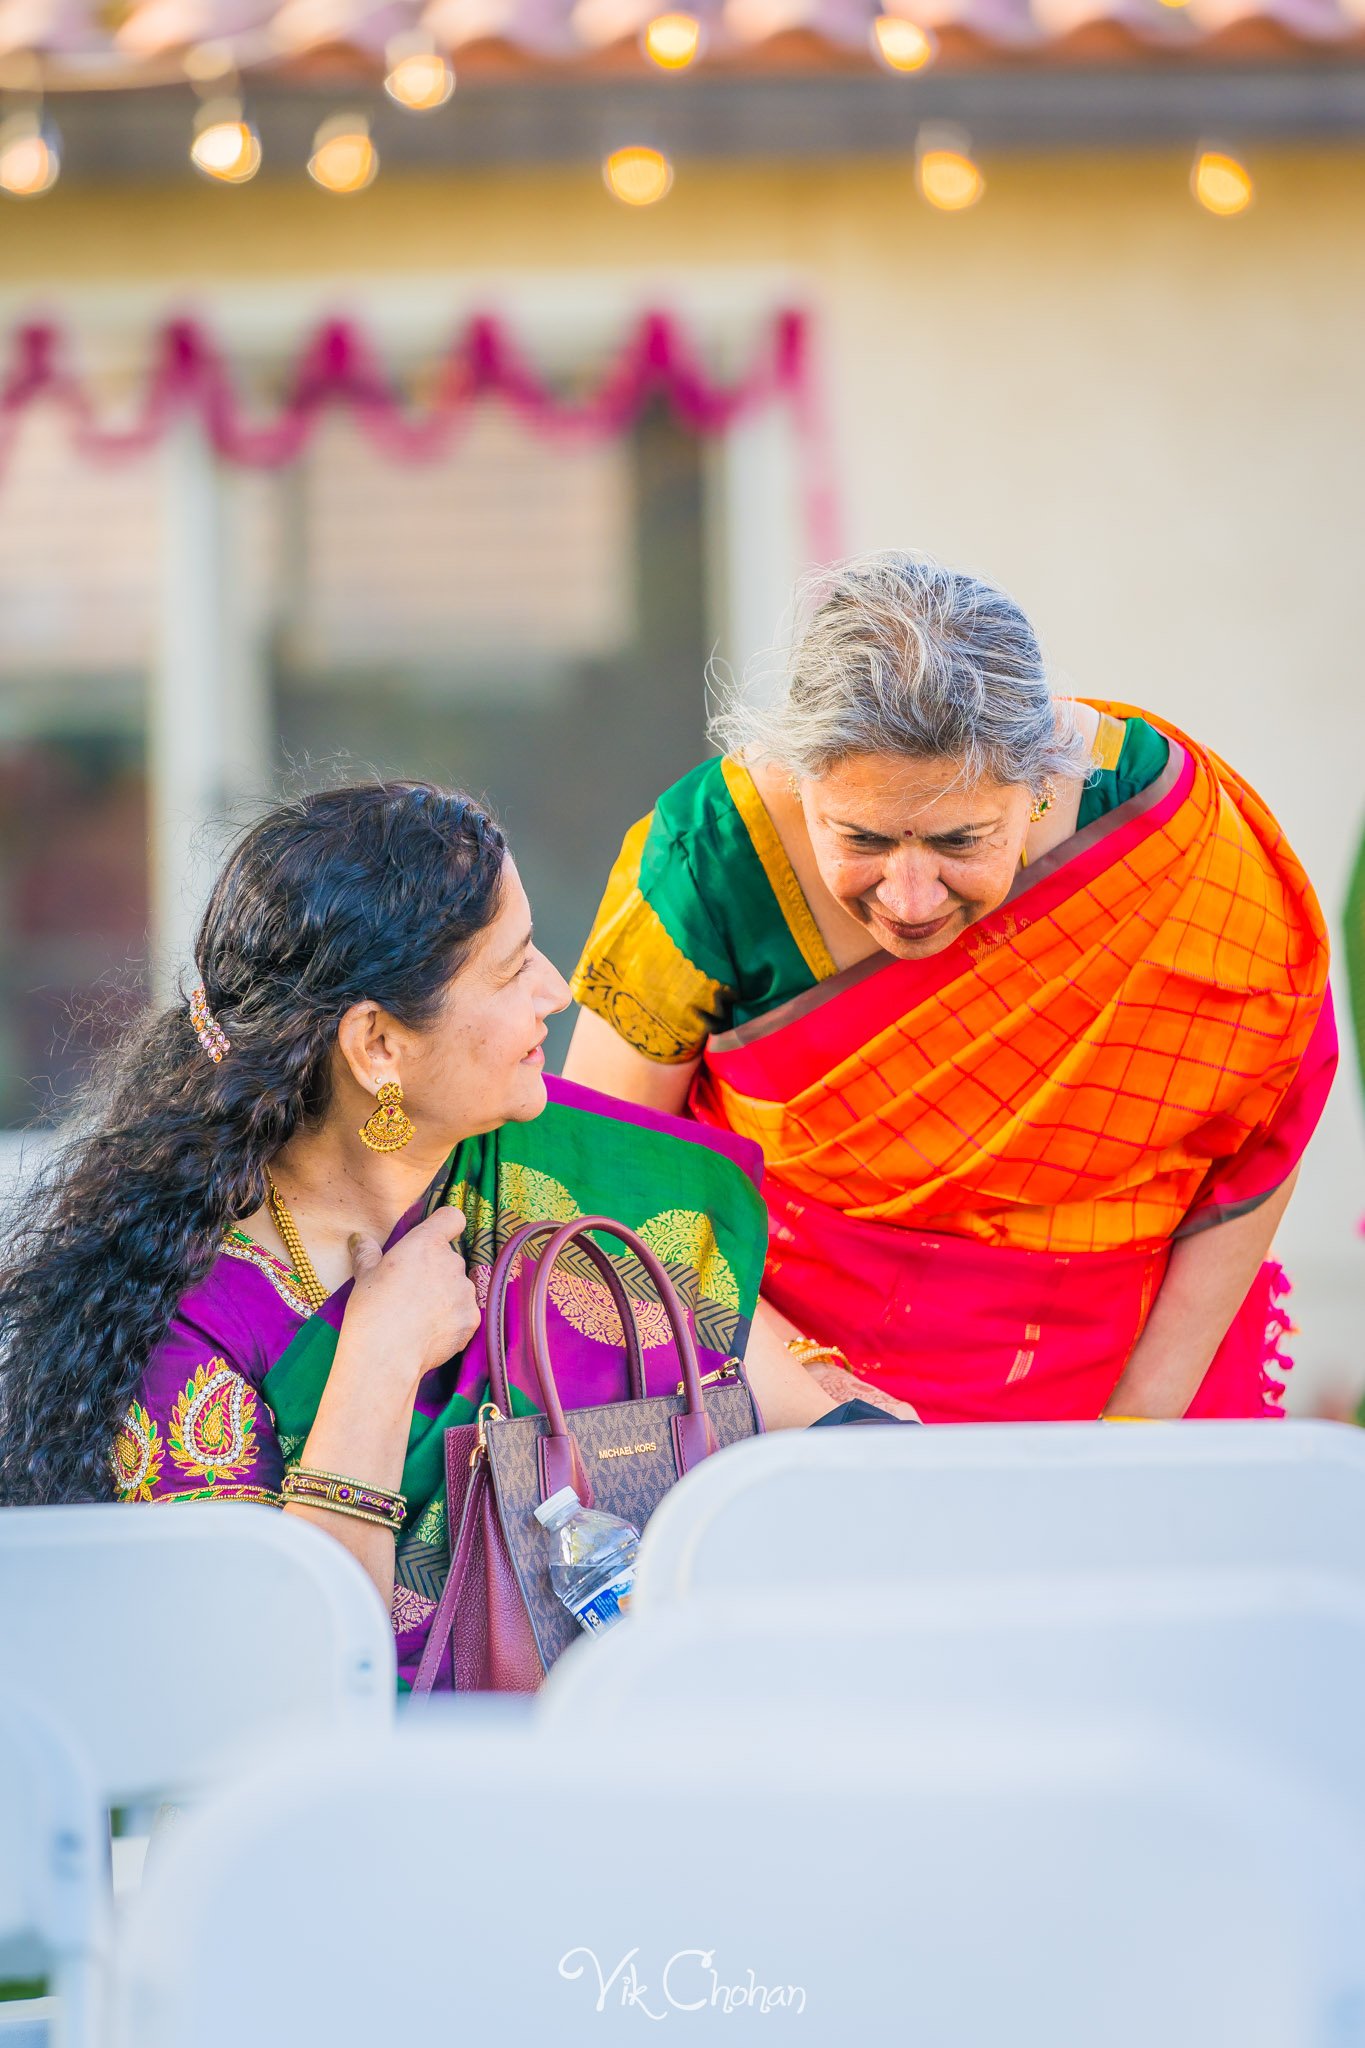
<point x="792" y="1395"/>
<point x="411" y="1308"/>
<point x="842" y="1385"/>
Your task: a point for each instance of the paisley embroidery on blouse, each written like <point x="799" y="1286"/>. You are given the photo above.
<point x="237" y="1245"/>
<point x="137" y="1455"/>
<point x="212" y="1432"/>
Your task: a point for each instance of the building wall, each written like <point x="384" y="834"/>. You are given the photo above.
<point x="1145" y="422"/>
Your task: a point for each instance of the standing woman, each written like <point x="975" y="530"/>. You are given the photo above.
<point x="256" y="1270"/>
<point x="1025" y="1001"/>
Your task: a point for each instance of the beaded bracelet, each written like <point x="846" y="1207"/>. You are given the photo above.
<point x="344" y="1496"/>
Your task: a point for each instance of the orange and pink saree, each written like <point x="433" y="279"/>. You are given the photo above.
<point x="977" y="1163"/>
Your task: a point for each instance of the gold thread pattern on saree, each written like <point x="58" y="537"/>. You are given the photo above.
<point x="684" y="1239"/>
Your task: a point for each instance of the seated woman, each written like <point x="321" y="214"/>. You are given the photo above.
<point x="244" y="1270"/>
<point x="1025" y="1001"/>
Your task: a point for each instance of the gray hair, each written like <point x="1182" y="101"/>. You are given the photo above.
<point x="894" y="654"/>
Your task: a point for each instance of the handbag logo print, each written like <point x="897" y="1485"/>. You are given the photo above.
<point x="627" y="1450"/>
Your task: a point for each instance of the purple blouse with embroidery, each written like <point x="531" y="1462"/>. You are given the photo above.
<point x="199" y="1428"/>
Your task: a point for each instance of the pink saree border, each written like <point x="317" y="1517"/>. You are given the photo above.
<point x="761" y="1060"/>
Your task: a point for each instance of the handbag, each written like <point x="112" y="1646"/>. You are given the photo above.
<point x="499" y="1626"/>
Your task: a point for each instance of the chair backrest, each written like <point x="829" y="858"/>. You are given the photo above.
<point x="824" y="1508"/>
<point x="1049" y="1888"/>
<point x="1272" y="1662"/>
<point x="173" y="1640"/>
<point x="54" y="1853"/>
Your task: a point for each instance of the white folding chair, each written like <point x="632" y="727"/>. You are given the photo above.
<point x="1272" y="1662"/>
<point x="829" y="1508"/>
<point x="965" y="1886"/>
<point x="53" y="1880"/>
<point x="174" y="1640"/>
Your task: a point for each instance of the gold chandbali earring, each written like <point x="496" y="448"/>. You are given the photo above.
<point x="389" y="1129"/>
<point x="1042" y="802"/>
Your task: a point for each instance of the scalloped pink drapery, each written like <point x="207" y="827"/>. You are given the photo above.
<point x="189" y="376"/>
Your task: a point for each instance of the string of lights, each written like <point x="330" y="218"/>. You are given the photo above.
<point x="419" y="76"/>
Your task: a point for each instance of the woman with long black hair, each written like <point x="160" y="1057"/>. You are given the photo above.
<point x="254" y="1270"/>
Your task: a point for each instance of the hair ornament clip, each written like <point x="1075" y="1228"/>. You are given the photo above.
<point x="207" y="1029"/>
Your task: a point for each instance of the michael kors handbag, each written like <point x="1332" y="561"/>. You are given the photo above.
<point x="498" y="1626"/>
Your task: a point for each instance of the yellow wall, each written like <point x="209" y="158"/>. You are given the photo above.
<point x="1146" y="422"/>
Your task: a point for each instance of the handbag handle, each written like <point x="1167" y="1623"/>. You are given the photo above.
<point x="496" y="1314"/>
<point x="559" y="1462"/>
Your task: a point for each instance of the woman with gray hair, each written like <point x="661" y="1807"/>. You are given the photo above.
<point x="1025" y="1000"/>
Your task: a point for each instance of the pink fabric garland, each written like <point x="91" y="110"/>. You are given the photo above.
<point x="189" y="376"/>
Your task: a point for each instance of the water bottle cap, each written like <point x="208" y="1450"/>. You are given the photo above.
<point x="555" y="1510"/>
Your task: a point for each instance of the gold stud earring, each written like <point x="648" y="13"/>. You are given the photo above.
<point x="1042" y="802"/>
<point x="390" y="1128"/>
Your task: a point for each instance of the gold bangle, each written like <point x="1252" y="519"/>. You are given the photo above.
<point x="334" y="1490"/>
<point x="810" y="1351"/>
<point x="336" y="1507"/>
<point x="345" y="1479"/>
<point x="1132" y="1418"/>
<point x="342" y="1478"/>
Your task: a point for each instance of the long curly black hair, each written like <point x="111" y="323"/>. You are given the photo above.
<point x="376" y="891"/>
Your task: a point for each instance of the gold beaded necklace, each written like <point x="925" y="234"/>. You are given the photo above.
<point x="314" y="1292"/>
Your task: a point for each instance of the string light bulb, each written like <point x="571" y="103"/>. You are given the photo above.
<point x="902" y="45"/>
<point x="673" y="41"/>
<point x="344" y="159"/>
<point x="226" y="146"/>
<point x="638" y="176"/>
<point x="1221" y="183"/>
<point x="30" y="155"/>
<point x="948" y="176"/>
<point x="210" y="64"/>
<point x="419" y="77"/>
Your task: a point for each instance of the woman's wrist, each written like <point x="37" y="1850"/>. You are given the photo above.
<point x="810" y="1351"/>
<point x="363" y="1421"/>
<point x="368" y="1362"/>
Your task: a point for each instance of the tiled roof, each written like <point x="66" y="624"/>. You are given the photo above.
<point x="92" y="42"/>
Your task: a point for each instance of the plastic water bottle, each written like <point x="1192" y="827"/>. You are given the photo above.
<point x="593" y="1566"/>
